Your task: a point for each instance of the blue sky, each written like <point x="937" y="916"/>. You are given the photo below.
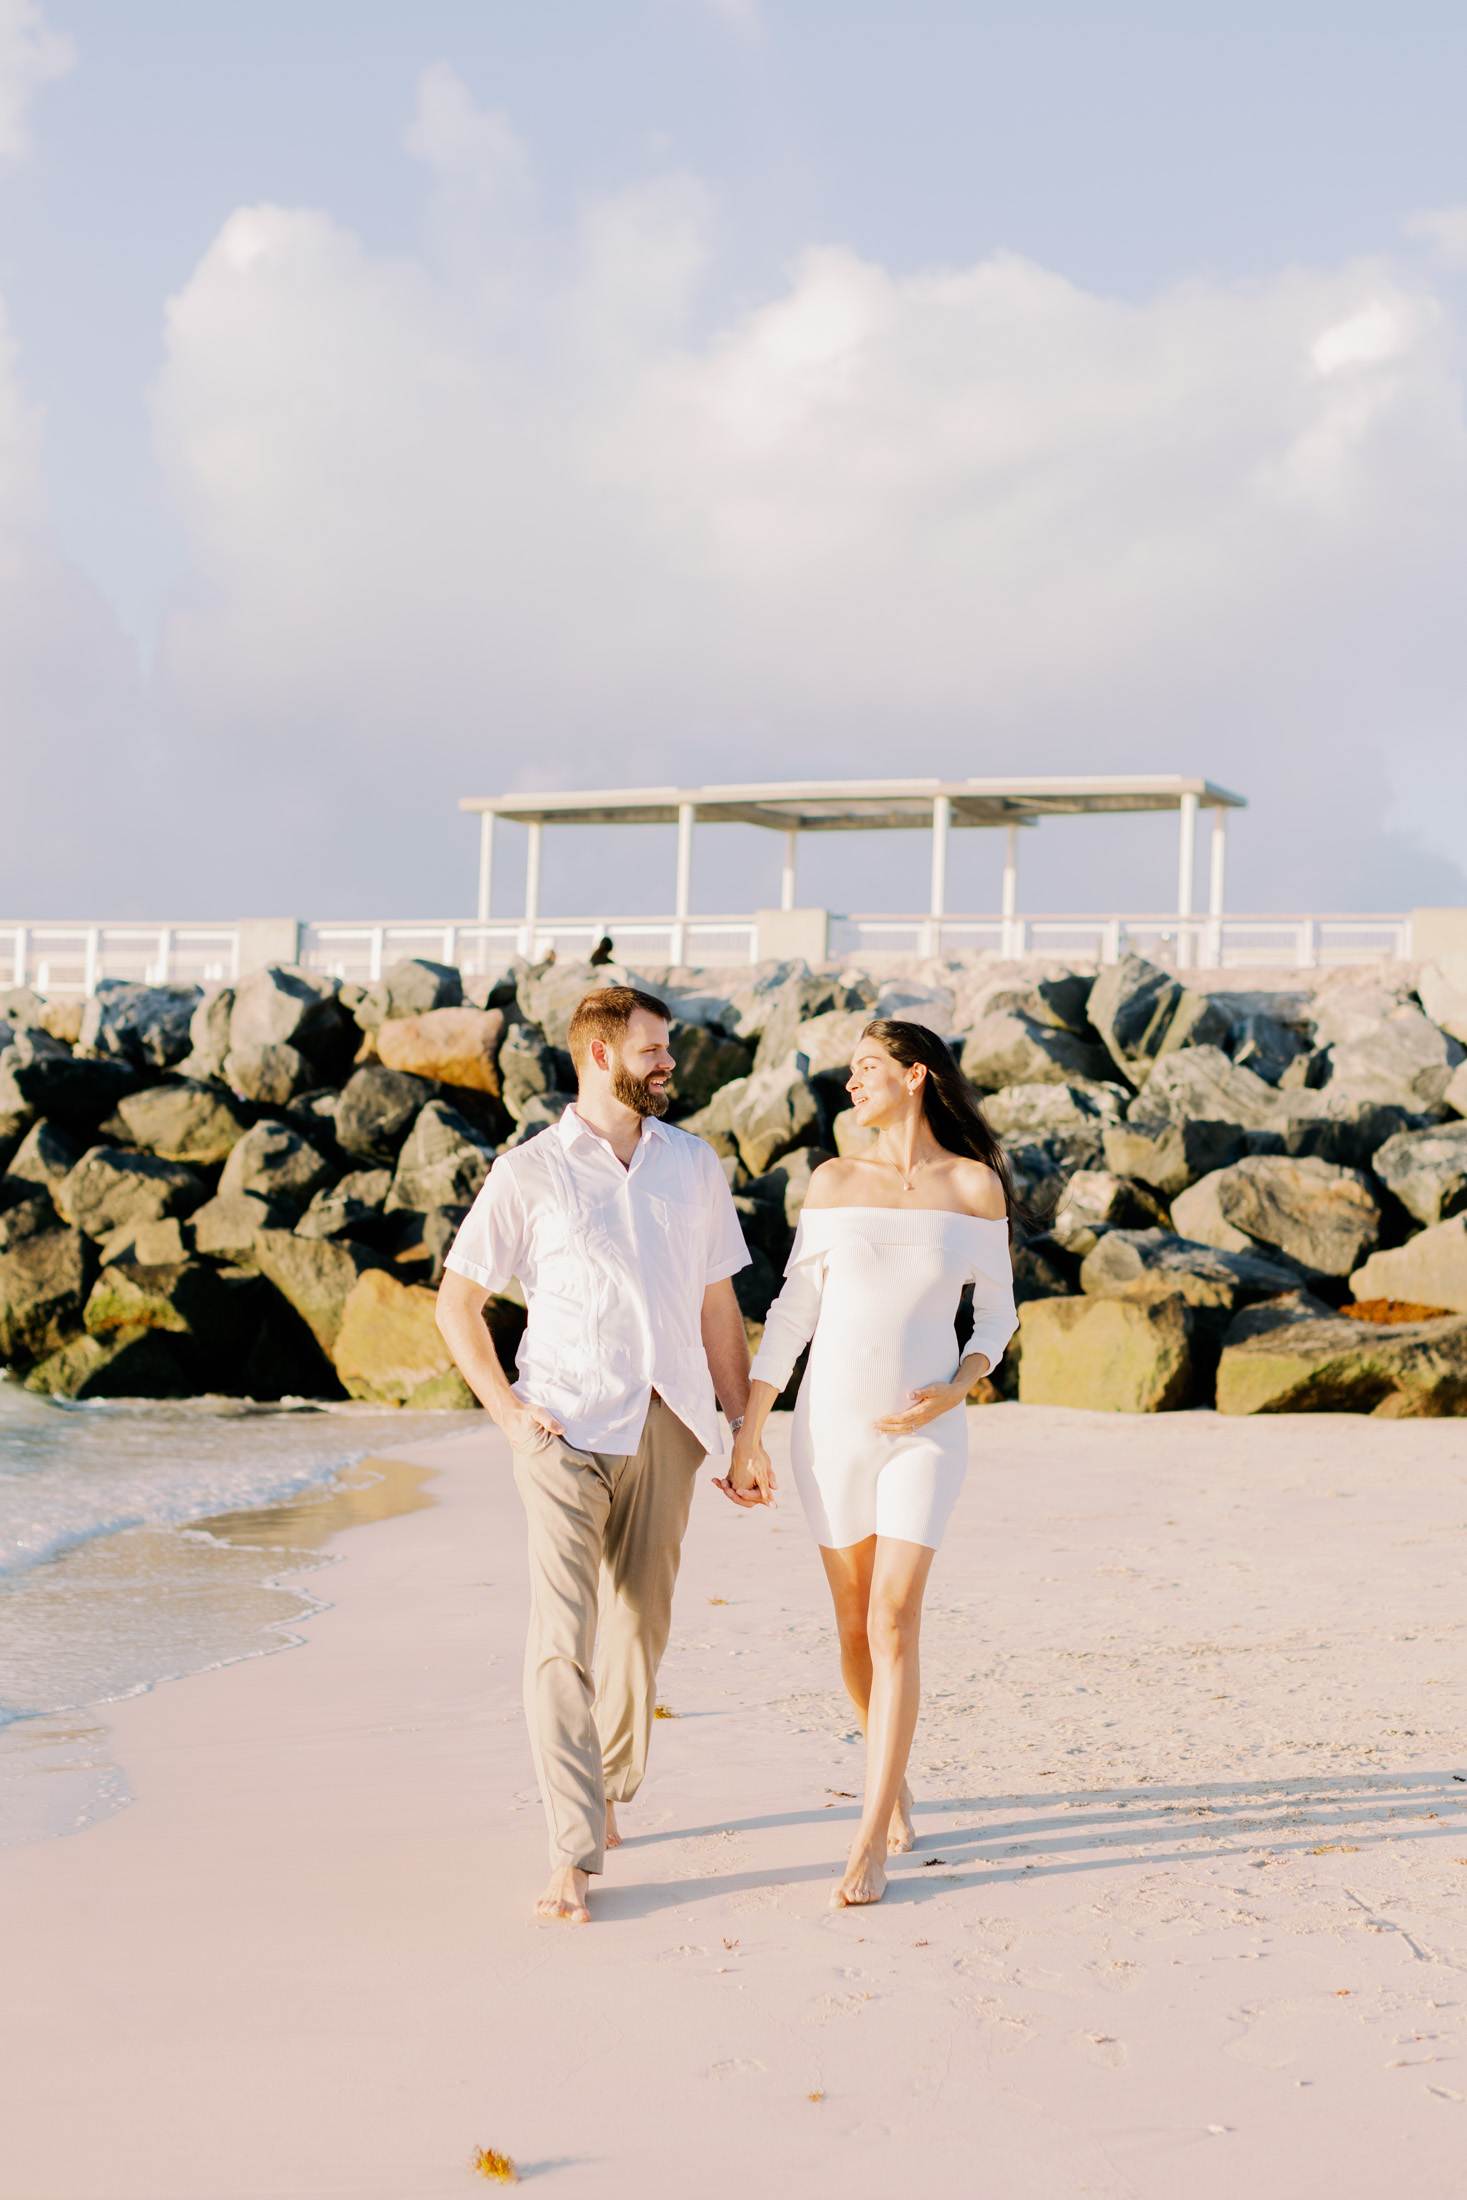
<point x="405" y="401"/>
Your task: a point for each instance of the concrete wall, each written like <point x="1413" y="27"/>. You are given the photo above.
<point x="785" y="934"/>
<point x="1438" y="932"/>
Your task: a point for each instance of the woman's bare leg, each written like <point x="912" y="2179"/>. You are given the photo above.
<point x="849" y="1573"/>
<point x="893" y="1628"/>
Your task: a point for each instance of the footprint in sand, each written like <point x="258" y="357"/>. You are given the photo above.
<point x="1102" y="2048"/>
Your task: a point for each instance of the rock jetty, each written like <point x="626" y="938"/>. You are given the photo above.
<point x="1247" y="1196"/>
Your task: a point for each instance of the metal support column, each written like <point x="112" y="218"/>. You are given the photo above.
<point x="1186" y="861"/>
<point x="532" y="894"/>
<point x="787" y="876"/>
<point x="1216" y="879"/>
<point x="1010" y="888"/>
<point x="684" y="881"/>
<point x="486" y="864"/>
<point x="937" y="908"/>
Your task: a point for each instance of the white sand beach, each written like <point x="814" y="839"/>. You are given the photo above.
<point x="1189" y="1911"/>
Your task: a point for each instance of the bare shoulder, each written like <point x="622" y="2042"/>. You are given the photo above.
<point x="980" y="1190"/>
<point x="831" y="1184"/>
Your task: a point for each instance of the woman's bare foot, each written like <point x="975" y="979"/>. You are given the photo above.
<point x="865" y="1880"/>
<point x="613" y="1838"/>
<point x="565" y="1897"/>
<point x="903" y="1834"/>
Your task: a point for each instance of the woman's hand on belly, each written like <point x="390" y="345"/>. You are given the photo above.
<point x="924" y="1405"/>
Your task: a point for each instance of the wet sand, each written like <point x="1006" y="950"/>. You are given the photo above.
<point x="1189" y="1911"/>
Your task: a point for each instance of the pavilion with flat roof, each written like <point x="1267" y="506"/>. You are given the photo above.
<point x="796" y="806"/>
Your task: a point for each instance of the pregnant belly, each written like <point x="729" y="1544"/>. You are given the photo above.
<point x="864" y="1359"/>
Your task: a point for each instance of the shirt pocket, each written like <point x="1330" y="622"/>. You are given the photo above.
<point x="682" y="1234"/>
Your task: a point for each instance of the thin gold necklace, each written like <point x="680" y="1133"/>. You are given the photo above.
<point x="906" y="1185"/>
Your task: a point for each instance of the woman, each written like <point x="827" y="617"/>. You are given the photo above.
<point x="888" y="1240"/>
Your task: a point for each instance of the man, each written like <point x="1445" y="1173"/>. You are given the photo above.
<point x="624" y="1237"/>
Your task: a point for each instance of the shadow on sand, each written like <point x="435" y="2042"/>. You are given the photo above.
<point x="1047" y="1835"/>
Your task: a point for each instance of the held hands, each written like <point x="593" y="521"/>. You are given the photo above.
<point x="750" y="1479"/>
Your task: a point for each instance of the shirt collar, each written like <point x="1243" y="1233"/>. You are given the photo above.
<point x="573" y="1125"/>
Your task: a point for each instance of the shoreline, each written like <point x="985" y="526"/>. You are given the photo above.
<point x="1185" y="1908"/>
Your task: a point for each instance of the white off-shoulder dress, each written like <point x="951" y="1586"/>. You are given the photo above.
<point x="877" y="1288"/>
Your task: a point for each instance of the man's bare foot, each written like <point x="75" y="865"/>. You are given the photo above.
<point x="903" y="1834"/>
<point x="864" y="1881"/>
<point x="613" y="1838"/>
<point x="565" y="1897"/>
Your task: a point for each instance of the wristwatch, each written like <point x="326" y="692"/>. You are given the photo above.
<point x="735" y="1426"/>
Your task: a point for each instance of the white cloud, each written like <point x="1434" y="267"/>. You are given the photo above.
<point x="968" y="520"/>
<point x="460" y="141"/>
<point x="30" y="55"/>
<point x="1444" y="229"/>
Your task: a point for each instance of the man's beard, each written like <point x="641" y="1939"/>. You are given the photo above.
<point x="636" y="1093"/>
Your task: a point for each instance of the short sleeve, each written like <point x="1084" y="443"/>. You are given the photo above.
<point x="727" y="1253"/>
<point x="491" y="1240"/>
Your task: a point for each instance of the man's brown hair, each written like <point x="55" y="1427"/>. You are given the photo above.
<point x="606" y="1013"/>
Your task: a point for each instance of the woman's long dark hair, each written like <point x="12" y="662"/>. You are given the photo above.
<point x="950" y="1105"/>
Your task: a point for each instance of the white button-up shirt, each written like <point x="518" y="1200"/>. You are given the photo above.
<point x="613" y="1263"/>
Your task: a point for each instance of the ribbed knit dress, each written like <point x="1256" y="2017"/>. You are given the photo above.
<point x="877" y="1288"/>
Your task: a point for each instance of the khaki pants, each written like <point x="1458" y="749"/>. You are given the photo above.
<point x="607" y="1527"/>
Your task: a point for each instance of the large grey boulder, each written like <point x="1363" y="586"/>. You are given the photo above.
<point x="184" y="1121"/>
<point x="1427" y="1170"/>
<point x="1060" y="1001"/>
<point x="74" y="1091"/>
<point x="1347" y="1128"/>
<point x="186" y="1299"/>
<point x="277" y="1164"/>
<point x="1455" y="1096"/>
<point x="448" y="1046"/>
<point x="356" y="1202"/>
<point x="549" y="993"/>
<point x="442" y="1162"/>
<point x="715" y="1123"/>
<point x="315" y="1276"/>
<point x="126" y="1363"/>
<point x="414" y="987"/>
<point x="267" y="1075"/>
<point x="1442" y="987"/>
<point x="541" y="1112"/>
<point x="706" y="1061"/>
<point x="226" y="1227"/>
<point x="1132" y="1006"/>
<point x="799" y="1000"/>
<point x="389" y="1350"/>
<point x="828" y="1041"/>
<point x="45" y="1157"/>
<point x="45" y="1275"/>
<point x="776" y="1111"/>
<point x="1005" y="1048"/>
<point x="1169" y="1154"/>
<point x="1323" y="1217"/>
<point x="377" y="1110"/>
<point x="1096" y="1200"/>
<point x="145" y="1025"/>
<point x="528" y="1067"/>
<point x="1409" y="1371"/>
<point x="208" y="1034"/>
<point x="753" y="1000"/>
<point x="1106" y="1355"/>
<point x="787" y="1184"/>
<point x="110" y="1189"/>
<point x="282" y="1005"/>
<point x="1201" y="1084"/>
<point x="1283" y="1312"/>
<point x="1261" y="1044"/>
<point x="1428" y="1270"/>
<point x="1124" y="1260"/>
<point x="1069" y="1117"/>
<point x="1405" y="1061"/>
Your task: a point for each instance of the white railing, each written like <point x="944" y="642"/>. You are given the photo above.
<point x="70" y="958"/>
<point x="58" y="958"/>
<point x="364" y="951"/>
<point x="1195" y="943"/>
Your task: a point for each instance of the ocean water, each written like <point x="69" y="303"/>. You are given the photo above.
<point x="141" y="1541"/>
